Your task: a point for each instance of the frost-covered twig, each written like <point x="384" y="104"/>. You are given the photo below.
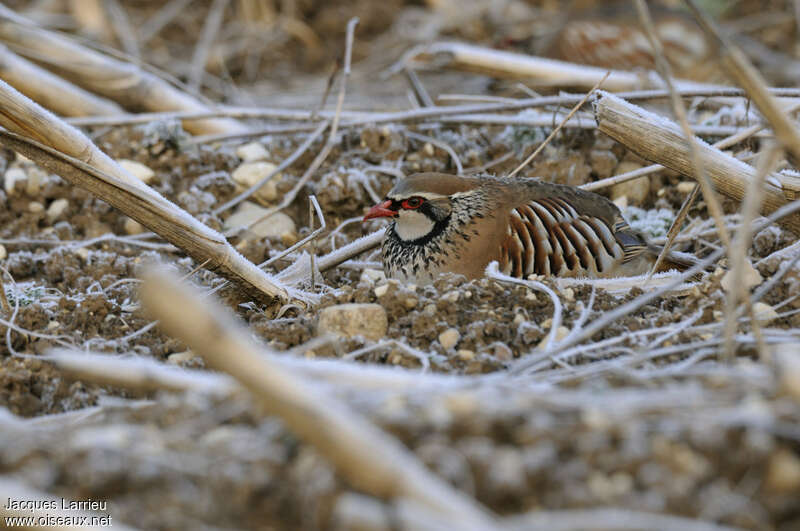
<point x="493" y="272"/>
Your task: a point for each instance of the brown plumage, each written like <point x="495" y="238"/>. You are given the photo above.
<point x="448" y="223"/>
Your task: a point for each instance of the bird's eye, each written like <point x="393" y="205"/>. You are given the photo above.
<point x="412" y="202"/>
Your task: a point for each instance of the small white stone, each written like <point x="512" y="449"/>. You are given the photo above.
<point x="466" y="354"/>
<point x="278" y="225"/>
<point x="783" y="472"/>
<point x="750" y="277"/>
<point x="12" y="176"/>
<point x="57" y="209"/>
<point x="764" y="313"/>
<point x="250" y="173"/>
<point x="787" y="358"/>
<point x="132" y="226"/>
<point x="685" y="187"/>
<point x="428" y="149"/>
<point x="252" y="151"/>
<point x="83" y="253"/>
<point x="35" y="207"/>
<point x="176" y="358"/>
<point x="372" y="276"/>
<point x="35" y="178"/>
<point x="357" y="319"/>
<point x="3" y="252"/>
<point x="381" y="290"/>
<point x="137" y="169"/>
<point x="449" y="338"/>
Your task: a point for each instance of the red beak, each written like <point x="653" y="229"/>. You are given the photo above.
<point x="381" y="210"/>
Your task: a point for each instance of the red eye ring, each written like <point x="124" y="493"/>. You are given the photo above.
<point x="412" y="202"/>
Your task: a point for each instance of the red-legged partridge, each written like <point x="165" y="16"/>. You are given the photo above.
<point x="446" y="223"/>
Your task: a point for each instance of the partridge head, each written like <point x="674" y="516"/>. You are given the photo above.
<point x="447" y="223"/>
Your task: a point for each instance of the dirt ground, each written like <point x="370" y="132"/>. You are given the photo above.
<point x="652" y="421"/>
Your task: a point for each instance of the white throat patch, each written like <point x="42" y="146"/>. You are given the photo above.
<point x="411" y="225"/>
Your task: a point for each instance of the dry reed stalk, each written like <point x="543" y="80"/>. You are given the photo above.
<point x="67" y="152"/>
<point x="17" y="489"/>
<point x="120" y="81"/>
<point x="660" y="140"/>
<point x="51" y="91"/>
<point x="539" y="70"/>
<point x="137" y="373"/>
<point x="739" y="67"/>
<point x="427" y="113"/>
<point x="208" y="35"/>
<point x="367" y="457"/>
<point x="726" y="142"/>
<point x="738" y="254"/>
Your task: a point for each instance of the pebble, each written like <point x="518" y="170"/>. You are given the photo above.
<point x="372" y="276"/>
<point x="685" y="187"/>
<point x="35" y="207"/>
<point x="764" y="313"/>
<point x="57" y="209"/>
<point x="176" y="358"/>
<point x="12" y="176"/>
<point x="132" y="227"/>
<point x="138" y="170"/>
<point x="750" y="277"/>
<point x="381" y="290"/>
<point x="466" y="355"/>
<point x="3" y="252"/>
<point x="501" y="351"/>
<point x="354" y="319"/>
<point x="783" y="472"/>
<point x="278" y="225"/>
<point x="250" y="173"/>
<point x="449" y="338"/>
<point x="787" y="358"/>
<point x="35" y="178"/>
<point x="252" y="151"/>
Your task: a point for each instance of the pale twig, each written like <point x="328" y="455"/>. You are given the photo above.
<point x="213" y="21"/>
<point x="365" y="456"/>
<point x="166" y="14"/>
<point x="493" y="272"/>
<point x="557" y="129"/>
<point x="665" y="70"/>
<point x="122" y="27"/>
<point x="674" y="230"/>
<point x="738" y="253"/>
<point x="288" y="161"/>
<point x="418" y="88"/>
<point x="440" y="144"/>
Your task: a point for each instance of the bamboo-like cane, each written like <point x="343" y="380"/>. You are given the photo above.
<point x="51" y="91"/>
<point x="660" y="140"/>
<point x="368" y="458"/>
<point x="121" y="81"/>
<point x="66" y="151"/>
<point x="540" y="70"/>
